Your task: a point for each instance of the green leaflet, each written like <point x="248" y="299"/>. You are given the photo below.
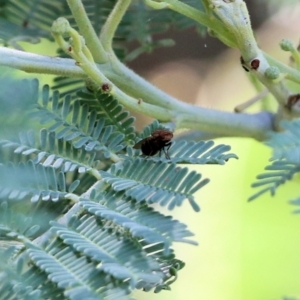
<point x="50" y="151"/>
<point x="152" y="182"/>
<point x="102" y="246"/>
<point x="141" y="221"/>
<point x="147" y="131"/>
<point x="143" y="215"/>
<point x="38" y="182"/>
<point x="285" y="159"/>
<point x="203" y="152"/>
<point x="278" y="173"/>
<point x="19" y="281"/>
<point x="29" y="20"/>
<point x="114" y="114"/>
<point x="78" y="124"/>
<point x="62" y="266"/>
<point x="286" y="144"/>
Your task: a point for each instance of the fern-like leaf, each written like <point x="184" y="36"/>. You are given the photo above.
<point x="114" y="114"/>
<point x="18" y="281"/>
<point x="286" y="144"/>
<point x="140" y="213"/>
<point x="286" y="158"/>
<point x="136" y="230"/>
<point x="49" y="151"/>
<point x="279" y="173"/>
<point x="34" y="19"/>
<point x="34" y="181"/>
<point x="39" y="14"/>
<point x="141" y="222"/>
<point x="12" y="286"/>
<point x="118" y="257"/>
<point x="17" y="97"/>
<point x="74" y="273"/>
<point x="141" y="23"/>
<point x="153" y="182"/>
<point x="11" y="34"/>
<point x="15" y="226"/>
<point x="203" y="152"/>
<point x="29" y="19"/>
<point x="67" y="85"/>
<point x="78" y="125"/>
<point x="147" y="131"/>
<point x="296" y="202"/>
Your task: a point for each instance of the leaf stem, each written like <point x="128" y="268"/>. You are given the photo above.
<point x="184" y="115"/>
<point x="216" y="27"/>
<point x="39" y="64"/>
<point x="42" y="239"/>
<point x="78" y="50"/>
<point x="87" y="31"/>
<point x="109" y="29"/>
<point x="291" y="73"/>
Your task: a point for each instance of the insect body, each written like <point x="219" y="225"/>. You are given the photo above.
<point x="160" y="139"/>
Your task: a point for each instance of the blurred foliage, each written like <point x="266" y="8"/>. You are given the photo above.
<point x="30" y="20"/>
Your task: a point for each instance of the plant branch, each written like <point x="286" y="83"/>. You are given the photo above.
<point x="111" y="24"/>
<point x="182" y="114"/>
<point x="137" y="94"/>
<point x="291" y="73"/>
<point x="243" y="106"/>
<point x="234" y="29"/>
<point x="216" y="27"/>
<point x="78" y="50"/>
<point x="288" y="45"/>
<point x="235" y="17"/>
<point x="87" y="31"/>
<point x="228" y="124"/>
<point x="39" y="64"/>
<point x="257" y="126"/>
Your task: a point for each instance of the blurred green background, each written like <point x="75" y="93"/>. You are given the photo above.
<point x="246" y="250"/>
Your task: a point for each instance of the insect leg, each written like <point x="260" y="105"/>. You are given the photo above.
<point x="168" y="145"/>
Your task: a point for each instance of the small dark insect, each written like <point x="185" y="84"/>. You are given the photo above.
<point x="160" y="139"/>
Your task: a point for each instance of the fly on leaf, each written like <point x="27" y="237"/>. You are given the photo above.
<point x="160" y="140"/>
